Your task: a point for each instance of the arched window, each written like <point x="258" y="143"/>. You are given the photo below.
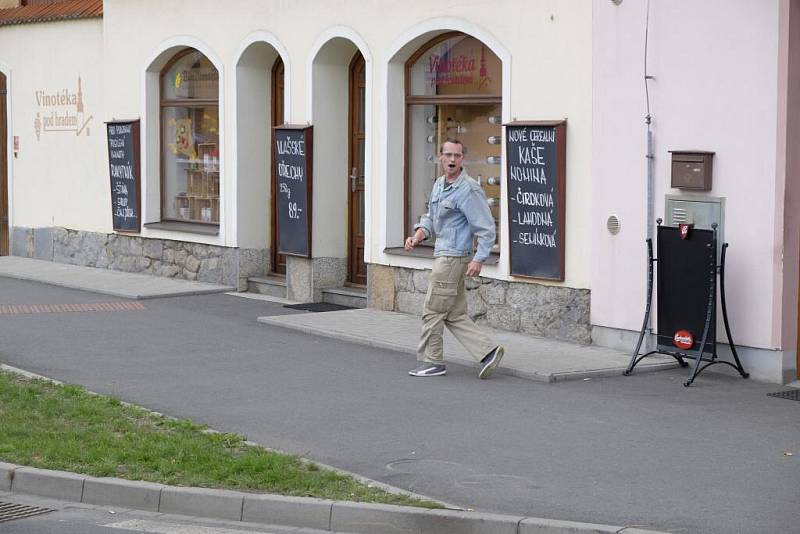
<point x="453" y="89"/>
<point x="190" y="139"/>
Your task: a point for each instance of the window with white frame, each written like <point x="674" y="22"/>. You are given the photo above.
<point x="190" y="151"/>
<point x="453" y="90"/>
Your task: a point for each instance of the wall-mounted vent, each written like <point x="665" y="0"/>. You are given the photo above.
<point x="679" y="215"/>
<point x="613" y="224"/>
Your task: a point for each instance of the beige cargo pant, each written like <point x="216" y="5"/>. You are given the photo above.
<point x="446" y="304"/>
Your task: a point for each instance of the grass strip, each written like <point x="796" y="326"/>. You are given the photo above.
<point x="66" y="428"/>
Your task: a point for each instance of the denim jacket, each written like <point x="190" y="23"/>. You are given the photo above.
<point x="456" y="213"/>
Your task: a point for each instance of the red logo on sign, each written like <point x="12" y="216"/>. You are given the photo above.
<point x="683" y="339"/>
<point x="684" y="230"/>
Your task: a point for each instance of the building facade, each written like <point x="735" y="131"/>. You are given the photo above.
<point x="379" y="86"/>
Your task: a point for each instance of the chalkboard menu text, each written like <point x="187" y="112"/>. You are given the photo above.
<point x="123" y="164"/>
<point x="536" y="159"/>
<point x="293" y="161"/>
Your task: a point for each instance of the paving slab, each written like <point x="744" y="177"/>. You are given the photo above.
<point x="105" y="281"/>
<point x="390" y="519"/>
<point x="279" y="510"/>
<point x="118" y="492"/>
<point x="46" y="483"/>
<point x="221" y="504"/>
<point x="6" y="473"/>
<point x="530" y="357"/>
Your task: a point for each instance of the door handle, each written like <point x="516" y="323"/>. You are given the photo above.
<point x="353" y="180"/>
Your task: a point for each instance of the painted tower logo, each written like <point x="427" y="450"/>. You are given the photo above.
<point x="61" y="111"/>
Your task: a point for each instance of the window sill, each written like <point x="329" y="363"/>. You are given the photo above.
<point x="427" y="252"/>
<point x="191" y="228"/>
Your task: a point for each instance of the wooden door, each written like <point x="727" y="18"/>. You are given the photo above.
<point x="3" y="168"/>
<point x="278" y="261"/>
<point x="357" y="269"/>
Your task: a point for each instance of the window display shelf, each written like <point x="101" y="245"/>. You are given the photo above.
<point x="200" y="201"/>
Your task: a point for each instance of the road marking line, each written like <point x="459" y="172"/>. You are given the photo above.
<point x="22" y="309"/>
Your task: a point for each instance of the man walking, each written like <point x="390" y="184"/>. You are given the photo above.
<point x="458" y="212"/>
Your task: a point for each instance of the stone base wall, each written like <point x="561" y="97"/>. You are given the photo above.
<point x="547" y="311"/>
<point x="307" y="277"/>
<point x="160" y="257"/>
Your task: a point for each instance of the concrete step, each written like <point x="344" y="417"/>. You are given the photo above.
<point x="274" y="286"/>
<point x="355" y="297"/>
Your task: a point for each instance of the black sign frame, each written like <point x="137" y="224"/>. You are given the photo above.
<point x="288" y="242"/>
<point x="131" y="151"/>
<point x="523" y="262"/>
<point x="687" y="264"/>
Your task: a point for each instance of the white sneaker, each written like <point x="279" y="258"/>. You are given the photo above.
<point x="428" y="369"/>
<point x="490" y="361"/>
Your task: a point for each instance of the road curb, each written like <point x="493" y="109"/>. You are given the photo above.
<point x="262" y="508"/>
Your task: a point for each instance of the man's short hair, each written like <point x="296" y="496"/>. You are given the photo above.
<point x="454" y="141"/>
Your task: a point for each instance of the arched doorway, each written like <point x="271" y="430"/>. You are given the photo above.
<point x="3" y="168"/>
<point x="357" y="268"/>
<point x="278" y="260"/>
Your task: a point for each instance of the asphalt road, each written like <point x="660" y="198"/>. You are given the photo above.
<point x="719" y="457"/>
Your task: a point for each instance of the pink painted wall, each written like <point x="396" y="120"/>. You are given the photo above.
<point x="788" y="183"/>
<point x="715" y="65"/>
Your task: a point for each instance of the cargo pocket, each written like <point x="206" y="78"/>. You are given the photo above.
<point x="443" y="296"/>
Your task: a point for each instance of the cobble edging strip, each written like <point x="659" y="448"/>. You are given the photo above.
<point x="303" y="512"/>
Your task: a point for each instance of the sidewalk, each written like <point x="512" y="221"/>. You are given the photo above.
<point x="106" y="281"/>
<point x="528" y="357"/>
<point x="534" y="358"/>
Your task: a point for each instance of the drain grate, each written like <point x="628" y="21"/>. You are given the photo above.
<point x="10" y="511"/>
<point x="792" y="394"/>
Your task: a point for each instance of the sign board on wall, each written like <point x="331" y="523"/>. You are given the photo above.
<point x="536" y="166"/>
<point x="293" y="165"/>
<point x="123" y="164"/>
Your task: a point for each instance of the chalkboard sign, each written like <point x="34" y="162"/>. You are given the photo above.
<point x="686" y="272"/>
<point x="536" y="166"/>
<point x="293" y="165"/>
<point x="123" y="165"/>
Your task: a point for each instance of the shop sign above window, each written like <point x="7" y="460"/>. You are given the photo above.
<point x="193" y="77"/>
<point x="456" y="66"/>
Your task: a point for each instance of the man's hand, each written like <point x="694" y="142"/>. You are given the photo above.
<point x="474" y="268"/>
<point x="414" y="240"/>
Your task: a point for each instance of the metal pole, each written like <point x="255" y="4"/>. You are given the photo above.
<point x="650" y="219"/>
<point x="650" y="168"/>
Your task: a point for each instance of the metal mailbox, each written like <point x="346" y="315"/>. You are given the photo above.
<point x="691" y="169"/>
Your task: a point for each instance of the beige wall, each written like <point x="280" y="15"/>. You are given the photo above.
<point x="138" y="30"/>
<point x="8" y="3"/>
<point x="59" y="177"/>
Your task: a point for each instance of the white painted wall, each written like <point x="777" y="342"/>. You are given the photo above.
<point x="715" y="88"/>
<point x="253" y="138"/>
<point x="61" y="178"/>
<point x="546" y="75"/>
<point x="330" y="104"/>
